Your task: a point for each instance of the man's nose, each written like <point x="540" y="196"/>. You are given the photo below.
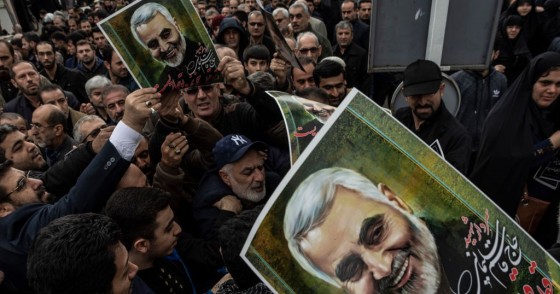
<point x="259" y="175"/>
<point x="163" y="46"/>
<point x="379" y="263"/>
<point x="35" y="184"/>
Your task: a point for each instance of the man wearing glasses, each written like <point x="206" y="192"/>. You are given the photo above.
<point x="257" y="118"/>
<point x="307" y="44"/>
<point x="20" y="196"/>
<point x="299" y="18"/>
<point x="256" y="31"/>
<point x="49" y="132"/>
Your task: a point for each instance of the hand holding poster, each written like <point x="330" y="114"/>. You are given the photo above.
<point x="164" y="44"/>
<point x="369" y="208"/>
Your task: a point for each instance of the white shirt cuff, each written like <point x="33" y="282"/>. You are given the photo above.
<point x="125" y="139"/>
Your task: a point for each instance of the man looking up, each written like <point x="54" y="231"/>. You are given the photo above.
<point x="428" y="118"/>
<point x="17" y="191"/>
<point x="25" y="155"/>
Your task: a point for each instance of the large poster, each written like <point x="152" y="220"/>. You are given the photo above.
<point x="369" y="208"/>
<point x="164" y="44"/>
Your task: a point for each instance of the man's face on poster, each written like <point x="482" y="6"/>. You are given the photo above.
<point x="163" y="39"/>
<point x="372" y="247"/>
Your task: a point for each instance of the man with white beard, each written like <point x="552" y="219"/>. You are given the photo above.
<point x="238" y="182"/>
<point x="185" y="60"/>
<point x="352" y="234"/>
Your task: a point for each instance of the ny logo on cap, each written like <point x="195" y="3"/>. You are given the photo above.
<point x="238" y="140"/>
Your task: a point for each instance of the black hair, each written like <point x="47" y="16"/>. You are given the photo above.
<point x="74" y="254"/>
<point x="58" y="35"/>
<point x="10" y="47"/>
<point x="32" y="37"/>
<point x="327" y="69"/>
<point x="49" y="88"/>
<point x="107" y="53"/>
<point x="76" y="36"/>
<point x="138" y="220"/>
<point x="232" y="236"/>
<point x="259" y="52"/>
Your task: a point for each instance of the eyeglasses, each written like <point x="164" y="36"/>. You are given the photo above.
<point x="20" y="184"/>
<point x="39" y="126"/>
<point x="306" y="50"/>
<point x="194" y="90"/>
<point x="257" y="24"/>
<point x="93" y="133"/>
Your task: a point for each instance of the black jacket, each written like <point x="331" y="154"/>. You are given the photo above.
<point x="356" y="66"/>
<point x="19" y="229"/>
<point x="454" y="140"/>
<point x="70" y="80"/>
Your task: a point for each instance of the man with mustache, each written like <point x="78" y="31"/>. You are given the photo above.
<point x="26" y="78"/>
<point x="427" y="117"/>
<point x="352" y="234"/>
<point x="24" y="154"/>
<point x="239" y="181"/>
<point x="20" y="196"/>
<point x="7" y="90"/>
<point x="186" y="61"/>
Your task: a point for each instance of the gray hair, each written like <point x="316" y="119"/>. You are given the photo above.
<point x="344" y="25"/>
<point x="254" y="12"/>
<point x="97" y="82"/>
<point x="307" y="34"/>
<point x="302" y="6"/>
<point x="263" y="79"/>
<point x="282" y="10"/>
<point x="311" y="203"/>
<point x="113" y="88"/>
<point x="211" y="12"/>
<point x="77" y="131"/>
<point x="144" y="14"/>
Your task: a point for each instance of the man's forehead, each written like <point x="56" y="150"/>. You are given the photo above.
<point x="56" y="94"/>
<point x="13" y="138"/>
<point x="23" y="67"/>
<point x="331" y="80"/>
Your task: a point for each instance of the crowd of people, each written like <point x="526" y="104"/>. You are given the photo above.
<point x="104" y="188"/>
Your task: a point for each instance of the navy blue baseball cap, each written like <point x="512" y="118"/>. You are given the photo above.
<point x="232" y="147"/>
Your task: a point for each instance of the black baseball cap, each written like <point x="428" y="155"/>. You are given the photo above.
<point x="421" y="77"/>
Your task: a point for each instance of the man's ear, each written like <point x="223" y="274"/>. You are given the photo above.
<point x="106" y="64"/>
<point x="59" y="129"/>
<point x="14" y="83"/>
<point x="393" y="197"/>
<point x="6" y="208"/>
<point x="225" y="177"/>
<point x="141" y="245"/>
<point x="320" y="49"/>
